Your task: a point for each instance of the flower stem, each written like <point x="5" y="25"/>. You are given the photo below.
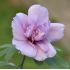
<point x="22" y="62"/>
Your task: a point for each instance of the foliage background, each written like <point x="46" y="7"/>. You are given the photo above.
<point x="10" y="57"/>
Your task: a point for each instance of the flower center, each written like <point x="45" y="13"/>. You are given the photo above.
<point x="31" y="40"/>
<point x="35" y="33"/>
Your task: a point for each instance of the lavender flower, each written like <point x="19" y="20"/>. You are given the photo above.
<point x="33" y="33"/>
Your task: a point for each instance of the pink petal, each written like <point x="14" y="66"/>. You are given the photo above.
<point x="56" y="31"/>
<point x="17" y="26"/>
<point x="25" y="47"/>
<point x="38" y="14"/>
<point x="44" y="50"/>
<point x="43" y="45"/>
<point x="51" y="51"/>
<point x="29" y="30"/>
<point x="40" y="55"/>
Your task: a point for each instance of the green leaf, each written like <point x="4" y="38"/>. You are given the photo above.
<point x="4" y="63"/>
<point x="7" y="51"/>
<point x="58" y="49"/>
<point x="57" y="62"/>
<point x="54" y="19"/>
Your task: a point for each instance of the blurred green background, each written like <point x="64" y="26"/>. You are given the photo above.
<point x="58" y="9"/>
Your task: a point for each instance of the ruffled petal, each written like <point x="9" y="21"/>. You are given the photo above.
<point x="38" y="14"/>
<point x="41" y="51"/>
<point x="40" y="55"/>
<point x="51" y="51"/>
<point x="18" y="26"/>
<point x="44" y="50"/>
<point x="26" y="48"/>
<point x="56" y="32"/>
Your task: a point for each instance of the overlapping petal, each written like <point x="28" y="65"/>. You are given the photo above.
<point x="56" y="32"/>
<point x="44" y="50"/>
<point x="25" y="47"/>
<point x="18" y="26"/>
<point x="38" y="14"/>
